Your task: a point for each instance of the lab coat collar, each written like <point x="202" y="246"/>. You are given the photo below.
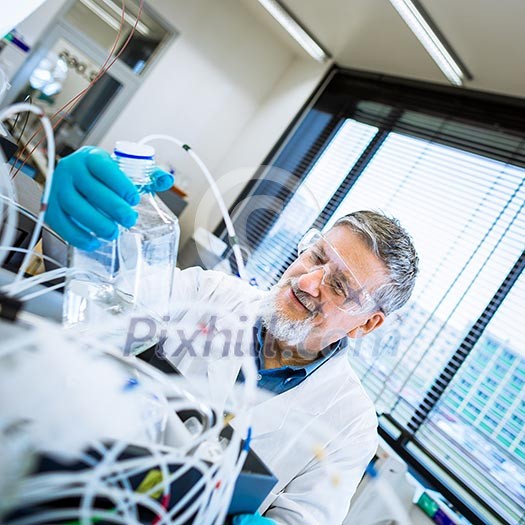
<point x="310" y="398"/>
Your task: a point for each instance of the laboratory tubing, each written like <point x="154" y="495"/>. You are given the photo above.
<point x="131" y="276"/>
<point x="236" y="248"/>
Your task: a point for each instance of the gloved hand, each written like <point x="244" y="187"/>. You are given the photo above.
<point x="90" y="196"/>
<point x="252" y="519"/>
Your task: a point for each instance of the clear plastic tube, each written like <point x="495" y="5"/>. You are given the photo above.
<point x="90" y="492"/>
<point x="25" y="250"/>
<point x="48" y="130"/>
<point x="9" y="226"/>
<point x="39" y="293"/>
<point x="35" y="280"/>
<point x="217" y="194"/>
<point x="109" y="476"/>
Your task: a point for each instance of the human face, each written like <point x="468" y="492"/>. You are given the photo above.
<point x="344" y="289"/>
<point x="304" y="296"/>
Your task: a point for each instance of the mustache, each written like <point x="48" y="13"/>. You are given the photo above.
<point x="304" y="298"/>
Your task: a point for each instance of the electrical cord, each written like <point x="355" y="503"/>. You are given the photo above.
<point x="104" y="69"/>
<point x="29" y="100"/>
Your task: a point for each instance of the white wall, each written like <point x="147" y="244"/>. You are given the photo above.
<point x="33" y="26"/>
<point x="31" y="29"/>
<point x="226" y="86"/>
<point x="268" y="123"/>
<point x="212" y="88"/>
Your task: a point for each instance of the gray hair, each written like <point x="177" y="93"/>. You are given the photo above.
<point x="391" y="243"/>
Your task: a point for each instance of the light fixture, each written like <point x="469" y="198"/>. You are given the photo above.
<point x="101" y="14"/>
<point x="110" y="20"/>
<point x="295" y="29"/>
<point x="415" y="16"/>
<point x="131" y="20"/>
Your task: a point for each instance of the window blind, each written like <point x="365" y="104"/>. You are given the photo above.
<point x="278" y="246"/>
<point x="479" y="423"/>
<point x="465" y="213"/>
<point x="275" y="183"/>
<point x="450" y="165"/>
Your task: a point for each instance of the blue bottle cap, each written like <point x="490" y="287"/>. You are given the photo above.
<point x="132" y="150"/>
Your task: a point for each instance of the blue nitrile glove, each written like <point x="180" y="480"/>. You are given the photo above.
<point x="90" y="196"/>
<point x="252" y="519"/>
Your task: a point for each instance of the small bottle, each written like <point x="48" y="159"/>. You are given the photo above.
<point x="132" y="276"/>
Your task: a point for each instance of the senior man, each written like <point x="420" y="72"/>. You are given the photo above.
<point x="342" y="285"/>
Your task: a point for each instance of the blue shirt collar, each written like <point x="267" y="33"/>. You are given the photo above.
<point x="306" y="370"/>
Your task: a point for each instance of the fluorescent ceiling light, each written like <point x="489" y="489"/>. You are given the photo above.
<point x="131" y="20"/>
<point x="421" y="25"/>
<point x="294" y="28"/>
<point x="110" y="20"/>
<point x="101" y="14"/>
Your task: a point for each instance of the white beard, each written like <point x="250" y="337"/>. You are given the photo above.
<point x="283" y="329"/>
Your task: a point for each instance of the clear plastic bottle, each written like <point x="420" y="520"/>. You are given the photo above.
<point x="130" y="278"/>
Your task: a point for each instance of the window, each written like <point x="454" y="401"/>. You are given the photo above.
<point x="482" y="395"/>
<point x="77" y="44"/>
<point x="416" y="181"/>
<point x="490" y="381"/>
<point x="446" y="390"/>
<point x="491" y="422"/>
<point x="473" y="408"/>
<point x="100" y="21"/>
<point x="309" y="200"/>
<point x="517" y="381"/>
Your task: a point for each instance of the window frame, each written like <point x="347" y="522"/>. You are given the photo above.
<point x="61" y="28"/>
<point x="488" y="110"/>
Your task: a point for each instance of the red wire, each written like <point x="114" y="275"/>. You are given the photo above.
<point x="102" y="71"/>
<point x="115" y="43"/>
<point x="165" y="501"/>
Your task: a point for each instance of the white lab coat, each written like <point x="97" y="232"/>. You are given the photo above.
<point x="317" y="437"/>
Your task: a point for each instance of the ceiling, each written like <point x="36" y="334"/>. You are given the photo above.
<point x="488" y="36"/>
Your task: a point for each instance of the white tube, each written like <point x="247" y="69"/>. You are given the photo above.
<point x="9" y="227"/>
<point x="6" y="249"/>
<point x="43" y="291"/>
<point x="231" y="485"/>
<point x="90" y="492"/>
<point x="218" y="197"/>
<point x="48" y="130"/>
<point x="5" y="244"/>
<point x="35" y="280"/>
<point x="108" y="477"/>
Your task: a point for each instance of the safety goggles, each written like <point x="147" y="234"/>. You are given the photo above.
<point x="345" y="291"/>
